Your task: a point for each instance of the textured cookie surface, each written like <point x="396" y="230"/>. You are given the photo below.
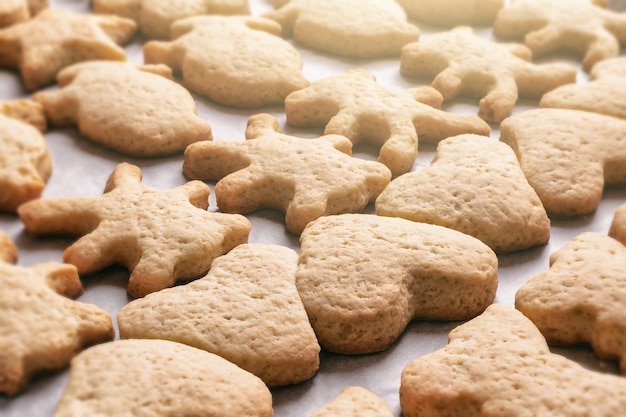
<point x="499" y="364"/>
<point x="238" y="61"/>
<point x="355" y="402"/>
<point x="246" y="310"/>
<point x="161" y="236"/>
<point x="145" y="378"/>
<point x="453" y="12"/>
<point x="14" y="11"/>
<point x="363" y="278"/>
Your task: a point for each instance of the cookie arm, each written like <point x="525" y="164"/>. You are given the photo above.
<point x="60" y="216"/>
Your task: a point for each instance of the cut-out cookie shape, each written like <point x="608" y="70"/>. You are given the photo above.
<point x="568" y="156"/>
<point x="14" y="11"/>
<point x="451" y="13"/>
<point x="161" y="237"/>
<point x="379" y="28"/>
<point x="246" y="310"/>
<point x="135" y="110"/>
<point x="499" y="364"/>
<point x="575" y="25"/>
<point x="41" y="329"/>
<point x="617" y="229"/>
<point x="581" y="298"/>
<point x="55" y="39"/>
<point x="155" y="17"/>
<point x="605" y="93"/>
<point x="304" y="178"/>
<point x="354" y="105"/>
<point x="462" y="62"/>
<point x="144" y="378"/>
<point x="238" y="61"/>
<point x="476" y="186"/>
<point x="355" y="401"/>
<point x="363" y="278"/>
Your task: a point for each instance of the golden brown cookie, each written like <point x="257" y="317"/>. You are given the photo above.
<point x="617" y="230"/>
<point x="8" y="250"/>
<point x="451" y="13"/>
<point x="14" y="11"/>
<point x="355" y="401"/>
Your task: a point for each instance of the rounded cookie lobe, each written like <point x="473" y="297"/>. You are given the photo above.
<point x="355" y="401"/>
<point x="453" y="12"/>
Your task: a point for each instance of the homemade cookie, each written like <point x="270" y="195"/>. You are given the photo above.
<point x="8" y="250"/>
<point x="462" y="62"/>
<point x="363" y="278"/>
<point x="161" y="237"/>
<point x="246" y="310"/>
<point x="575" y="25"/>
<point x="14" y="11"/>
<point x="378" y="28"/>
<point x="135" y="110"/>
<point x="145" y="378"/>
<point x="476" y="186"/>
<point x="617" y="229"/>
<point x="499" y="364"/>
<point x="304" y="178"/>
<point x="355" y="402"/>
<point x="354" y="105"/>
<point x="238" y="61"/>
<point x="453" y="12"/>
<point x="568" y="156"/>
<point x="55" y="39"/>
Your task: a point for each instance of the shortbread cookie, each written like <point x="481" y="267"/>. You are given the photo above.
<point x="14" y="11"/>
<point x="27" y="111"/>
<point x="55" y="39"/>
<point x="162" y="237"/>
<point x="575" y="25"/>
<point x="247" y="311"/>
<point x="135" y="110"/>
<point x="40" y="328"/>
<point x="499" y="364"/>
<point x="355" y="402"/>
<point x="363" y="278"/>
<point x="354" y="105"/>
<point x="156" y="16"/>
<point x="462" y="62"/>
<point x="605" y="93"/>
<point x="238" y="61"/>
<point x="451" y="13"/>
<point x="568" y="156"/>
<point x="617" y="230"/>
<point x="146" y="378"/>
<point x="8" y="250"/>
<point x="351" y="28"/>
<point x="304" y="178"/>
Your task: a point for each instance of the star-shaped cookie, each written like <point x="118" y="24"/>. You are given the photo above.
<point x="304" y="178"/>
<point x="162" y="237"/>
<point x="55" y="39"/>
<point x="499" y="73"/>
<point x="354" y="105"/>
<point x="14" y="11"/>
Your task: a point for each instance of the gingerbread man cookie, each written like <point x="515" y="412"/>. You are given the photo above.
<point x="14" y="11"/>
<point x="453" y="12"/>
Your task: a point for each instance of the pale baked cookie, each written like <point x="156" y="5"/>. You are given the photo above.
<point x="304" y="178"/>
<point x="575" y="25"/>
<point x="617" y="230"/>
<point x="238" y="61"/>
<point x="581" y="298"/>
<point x="453" y="12"/>
<point x="354" y="105"/>
<point x="132" y="109"/>
<point x="355" y="401"/>
<point x="162" y="237"/>
<point x="605" y="93"/>
<point x="246" y="310"/>
<point x="474" y="185"/>
<point x="352" y="28"/>
<point x="499" y="364"/>
<point x="462" y="62"/>
<point x="363" y="278"/>
<point x="55" y="39"/>
<point x="8" y="250"/>
<point x="14" y="11"/>
<point x="156" y="16"/>
<point x="568" y="156"/>
<point x="146" y="378"/>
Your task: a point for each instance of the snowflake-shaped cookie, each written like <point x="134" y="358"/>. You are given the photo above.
<point x="13" y="11"/>
<point x="465" y="63"/>
<point x="161" y="236"/>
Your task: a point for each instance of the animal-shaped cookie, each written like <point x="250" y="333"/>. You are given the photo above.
<point x="14" y="11"/>
<point x="474" y="185"/>
<point x="55" y="39"/>
<point x="144" y="378"/>
<point x="161" y="237"/>
<point x="451" y="13"/>
<point x="355" y="401"/>
<point x="351" y="28"/>
<point x="354" y="105"/>
<point x="304" y="178"/>
<point x="41" y="329"/>
<point x="575" y="25"/>
<point x="132" y="109"/>
<point x="156" y="16"/>
<point x="499" y="364"/>
<point x="239" y="61"/>
<point x="605" y="93"/>
<point x="363" y="278"/>
<point x="462" y="62"/>
<point x="248" y="311"/>
<point x="568" y="156"/>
